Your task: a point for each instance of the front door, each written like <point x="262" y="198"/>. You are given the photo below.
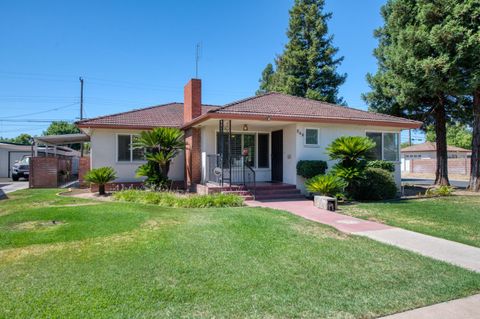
<point x="277" y="156"/>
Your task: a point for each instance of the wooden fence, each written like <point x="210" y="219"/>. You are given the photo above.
<point x="460" y="166"/>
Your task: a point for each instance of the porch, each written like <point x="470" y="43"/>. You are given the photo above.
<point x="254" y="159"/>
<point x="262" y="191"/>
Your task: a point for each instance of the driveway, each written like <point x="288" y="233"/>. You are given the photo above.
<point x="427" y="181"/>
<point x="8" y="186"/>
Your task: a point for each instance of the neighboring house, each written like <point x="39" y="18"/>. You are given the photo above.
<point x="269" y="133"/>
<point x="9" y="154"/>
<point x="428" y="150"/>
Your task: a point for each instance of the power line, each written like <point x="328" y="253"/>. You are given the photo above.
<point x="20" y="130"/>
<point x="41" y="112"/>
<point x="36" y="120"/>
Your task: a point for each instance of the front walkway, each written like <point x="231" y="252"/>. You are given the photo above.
<point x="455" y="253"/>
<point x="8" y="186"/>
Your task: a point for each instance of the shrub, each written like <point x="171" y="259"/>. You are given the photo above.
<point x="328" y="185"/>
<point x="352" y="153"/>
<point x="309" y="169"/>
<point x="161" y="146"/>
<point x="388" y="166"/>
<point x="170" y="199"/>
<point x="376" y="184"/>
<point x="440" y="191"/>
<point x="100" y="176"/>
<point x="350" y="150"/>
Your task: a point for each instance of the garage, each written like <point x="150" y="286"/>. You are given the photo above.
<point x="9" y="153"/>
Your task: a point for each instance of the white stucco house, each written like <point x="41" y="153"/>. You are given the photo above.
<point x="268" y="133"/>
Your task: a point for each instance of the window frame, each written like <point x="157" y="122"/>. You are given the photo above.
<point x="242" y="133"/>
<point x="383" y="144"/>
<point x="305" y="137"/>
<point x="130" y="147"/>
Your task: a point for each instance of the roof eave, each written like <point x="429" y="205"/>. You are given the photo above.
<point x="120" y="126"/>
<point x="207" y="116"/>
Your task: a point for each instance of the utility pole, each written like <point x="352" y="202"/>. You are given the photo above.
<point x="81" y="98"/>
<point x="410" y="137"/>
<point x="81" y="110"/>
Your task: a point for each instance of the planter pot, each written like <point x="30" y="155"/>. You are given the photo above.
<point x="325" y="202"/>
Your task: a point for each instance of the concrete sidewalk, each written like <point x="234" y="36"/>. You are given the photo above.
<point x="452" y="252"/>
<point x="455" y="253"/>
<point x="465" y="308"/>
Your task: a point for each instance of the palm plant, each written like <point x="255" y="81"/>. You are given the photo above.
<point x="162" y="145"/>
<point x="328" y="185"/>
<point x="351" y="150"/>
<point x="352" y="153"/>
<point x="100" y="176"/>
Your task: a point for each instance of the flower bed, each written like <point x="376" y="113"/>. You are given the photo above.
<point x="171" y="199"/>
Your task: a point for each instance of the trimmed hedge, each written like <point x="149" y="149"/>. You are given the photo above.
<point x="170" y="199"/>
<point x="377" y="184"/>
<point x="309" y="169"/>
<point x="388" y="166"/>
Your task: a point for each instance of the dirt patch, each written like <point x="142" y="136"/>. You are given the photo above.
<point x="86" y="194"/>
<point x="37" y="225"/>
<point x="75" y="205"/>
<point x="318" y="231"/>
<point x="154" y="224"/>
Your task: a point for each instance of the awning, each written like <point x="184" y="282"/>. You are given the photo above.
<point x="62" y="139"/>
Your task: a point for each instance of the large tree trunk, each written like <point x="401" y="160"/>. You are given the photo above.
<point x="441" y="174"/>
<point x="474" y="184"/>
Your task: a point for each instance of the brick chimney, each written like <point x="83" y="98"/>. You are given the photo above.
<point x="192" y="104"/>
<point x="192" y="108"/>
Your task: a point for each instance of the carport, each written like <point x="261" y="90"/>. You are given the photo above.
<point x="57" y="164"/>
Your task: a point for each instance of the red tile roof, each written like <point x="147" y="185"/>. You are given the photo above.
<point x="283" y="105"/>
<point x="432" y="147"/>
<point x="166" y="115"/>
<point x="271" y="106"/>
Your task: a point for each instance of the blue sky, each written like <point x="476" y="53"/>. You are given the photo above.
<point x="139" y="53"/>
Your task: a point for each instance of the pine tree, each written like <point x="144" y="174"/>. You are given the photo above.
<point x="266" y="81"/>
<point x="466" y="18"/>
<point x="419" y="72"/>
<point x="308" y="65"/>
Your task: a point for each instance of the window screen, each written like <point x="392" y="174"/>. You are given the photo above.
<point x="311" y="136"/>
<point x="377" y="150"/>
<point x="123" y="148"/>
<point x="138" y="154"/>
<point x="249" y="144"/>
<point x="390" y="147"/>
<point x="263" y="151"/>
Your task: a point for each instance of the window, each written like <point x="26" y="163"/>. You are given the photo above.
<point x="390" y="147"/>
<point x="125" y="151"/>
<point x="263" y="150"/>
<point x="249" y="146"/>
<point x="387" y="146"/>
<point x="377" y="151"/>
<point x="311" y="136"/>
<point x="124" y="148"/>
<point x="257" y="157"/>
<point x="236" y="147"/>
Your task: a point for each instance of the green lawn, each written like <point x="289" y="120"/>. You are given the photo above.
<point x="455" y="218"/>
<point x="121" y="260"/>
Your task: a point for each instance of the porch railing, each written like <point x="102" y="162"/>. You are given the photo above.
<point x="232" y="172"/>
<point x="249" y="178"/>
